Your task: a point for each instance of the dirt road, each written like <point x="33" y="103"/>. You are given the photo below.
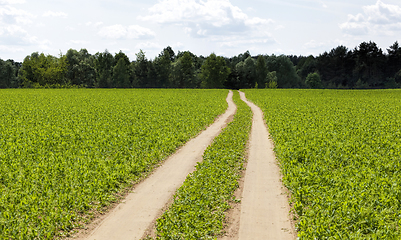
<point x="130" y="219"/>
<point x="264" y="205"/>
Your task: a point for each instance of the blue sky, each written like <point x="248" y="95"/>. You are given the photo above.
<point x="225" y="27"/>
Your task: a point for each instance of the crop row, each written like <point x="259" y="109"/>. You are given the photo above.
<point x="198" y="211"/>
<point x="66" y="153"/>
<point x="340" y="154"/>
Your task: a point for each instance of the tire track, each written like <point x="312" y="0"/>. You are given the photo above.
<point x="264" y="205"/>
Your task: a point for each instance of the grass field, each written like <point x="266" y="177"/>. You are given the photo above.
<point x="340" y="154"/>
<point x="65" y="153"/>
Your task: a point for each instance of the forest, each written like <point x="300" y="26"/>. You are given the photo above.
<point x="365" y="67"/>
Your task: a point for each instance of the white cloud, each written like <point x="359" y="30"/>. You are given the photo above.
<point x="79" y="42"/>
<point x="96" y="24"/>
<point x="205" y="18"/>
<point x="380" y="18"/>
<point x="12" y="15"/>
<point x="14" y="35"/>
<point x="322" y="4"/>
<point x="239" y="42"/>
<point x="55" y="14"/>
<point x="10" y="49"/>
<point x="4" y="2"/>
<point x="178" y="45"/>
<point x="148" y="46"/>
<point x="251" y="9"/>
<point x="126" y="32"/>
<point x="257" y="21"/>
<point x="313" y="44"/>
<point x="323" y="45"/>
<point x="13" y="28"/>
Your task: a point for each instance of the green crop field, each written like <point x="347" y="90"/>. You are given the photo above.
<point x="66" y="153"/>
<point x="340" y="154"/>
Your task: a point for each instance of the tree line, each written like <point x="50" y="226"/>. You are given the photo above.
<point x="366" y="66"/>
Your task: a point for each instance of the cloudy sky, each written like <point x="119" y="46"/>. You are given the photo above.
<point x="225" y="27"/>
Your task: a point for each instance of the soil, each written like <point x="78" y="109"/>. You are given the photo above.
<point x="265" y="211"/>
<point x="134" y="217"/>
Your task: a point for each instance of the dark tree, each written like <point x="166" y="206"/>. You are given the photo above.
<point x="80" y="68"/>
<point x="306" y="66"/>
<point x="336" y="67"/>
<point x="370" y="62"/>
<point x="140" y="70"/>
<point x="247" y="72"/>
<point x="104" y="63"/>
<point x="121" y="74"/>
<point x="162" y="66"/>
<point x="214" y="72"/>
<point x="183" y="72"/>
<point x="168" y="51"/>
<point x="313" y="80"/>
<point x="394" y="61"/>
<point x="285" y="71"/>
<point x="43" y="70"/>
<point x="261" y="71"/>
<point x="8" y="74"/>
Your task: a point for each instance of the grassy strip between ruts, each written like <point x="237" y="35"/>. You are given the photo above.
<point x="200" y="203"/>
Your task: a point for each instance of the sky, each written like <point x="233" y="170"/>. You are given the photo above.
<point x="223" y="27"/>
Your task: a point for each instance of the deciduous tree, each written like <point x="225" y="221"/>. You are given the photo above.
<point x="43" y="70"/>
<point x="104" y="63"/>
<point x="285" y="70"/>
<point x="214" y="72"/>
<point x="261" y="71"/>
<point x="313" y="80"/>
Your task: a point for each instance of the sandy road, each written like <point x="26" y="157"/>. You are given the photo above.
<point x="131" y="219"/>
<point x="264" y="205"/>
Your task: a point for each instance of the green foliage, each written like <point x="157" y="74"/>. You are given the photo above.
<point x="261" y="71"/>
<point x="397" y="77"/>
<point x="80" y="68"/>
<point x="305" y="66"/>
<point x="272" y="85"/>
<point x="183" y="72"/>
<point x="247" y="72"/>
<point x="104" y="63"/>
<point x="338" y="68"/>
<point x="65" y="153"/>
<point x="200" y="203"/>
<point x="8" y="77"/>
<point x="163" y="66"/>
<point x="361" y="84"/>
<point x="370" y="63"/>
<point x="140" y="69"/>
<point x="271" y="80"/>
<point x="41" y="69"/>
<point x="121" y="74"/>
<point x="313" y="80"/>
<point x="214" y="72"/>
<point x="339" y="152"/>
<point x="285" y="71"/>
